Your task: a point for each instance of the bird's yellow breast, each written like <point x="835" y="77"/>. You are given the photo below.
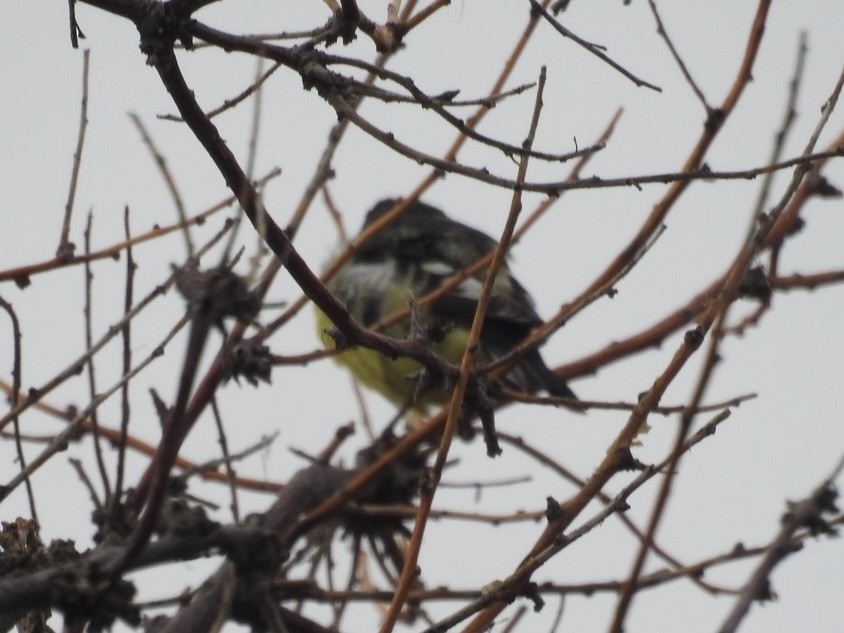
<point x="393" y="378"/>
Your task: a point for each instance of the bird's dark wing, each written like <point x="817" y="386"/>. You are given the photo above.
<point x="432" y="247"/>
<point x="424" y="234"/>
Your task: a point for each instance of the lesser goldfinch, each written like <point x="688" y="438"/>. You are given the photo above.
<point x="409" y="258"/>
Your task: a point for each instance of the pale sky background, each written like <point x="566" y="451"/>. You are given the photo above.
<point x="732" y="488"/>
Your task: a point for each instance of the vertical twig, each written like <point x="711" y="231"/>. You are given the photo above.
<point x="779" y="140"/>
<point x="16" y="389"/>
<point x="126" y="332"/>
<point x="164" y="170"/>
<point x="89" y="342"/>
<point x="171" y="442"/>
<point x="780" y="137"/>
<point x="261" y="228"/>
<point x="66" y="247"/>
<point x="408" y="573"/>
<point x="227" y="461"/>
<point x="660" y="29"/>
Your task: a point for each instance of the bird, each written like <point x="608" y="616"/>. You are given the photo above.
<point x="410" y="257"/>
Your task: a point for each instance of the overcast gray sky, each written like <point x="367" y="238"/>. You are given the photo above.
<point x="732" y="488"/>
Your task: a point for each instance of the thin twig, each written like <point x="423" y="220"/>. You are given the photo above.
<point x="590" y="47"/>
<point x="164" y="170"/>
<point x="21" y="275"/>
<point x="168" y="449"/>
<point x="554" y="401"/>
<point x="660" y="29"/>
<point x="92" y="382"/>
<point x="229" y="104"/>
<point x="806" y="513"/>
<point x="126" y="334"/>
<point x="427" y="497"/>
<point x="226" y="460"/>
<point x="16" y="387"/>
<point x="66" y="247"/>
<point x="86" y="481"/>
